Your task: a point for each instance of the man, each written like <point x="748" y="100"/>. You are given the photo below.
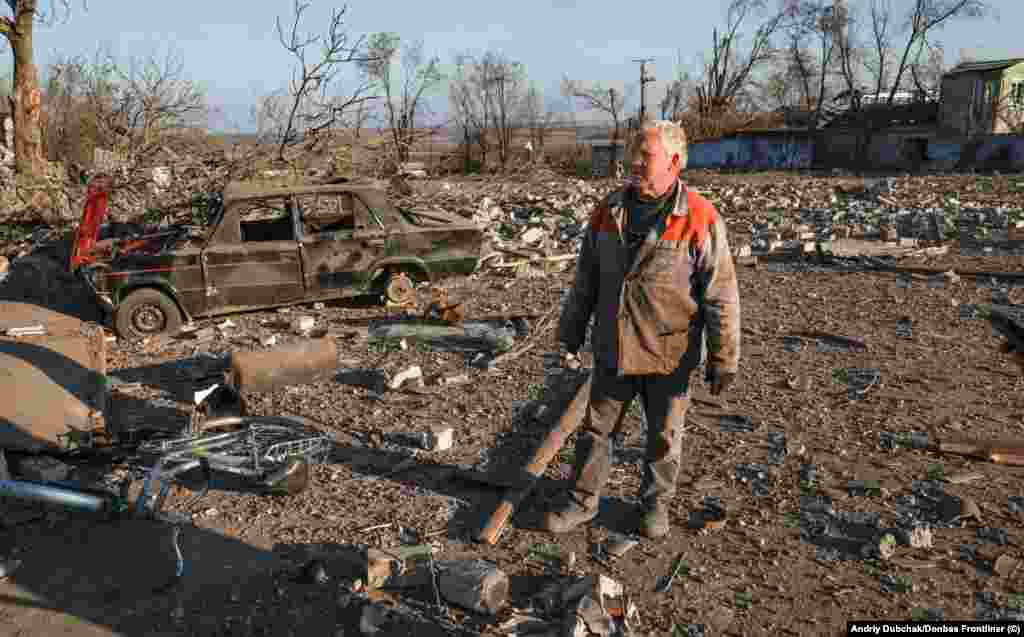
<point x="655" y="272"/>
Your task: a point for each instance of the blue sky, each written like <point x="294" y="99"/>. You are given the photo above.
<point x="230" y="46"/>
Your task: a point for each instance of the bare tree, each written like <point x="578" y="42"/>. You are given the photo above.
<point x="927" y="69"/>
<point x="926" y="16"/>
<point x="418" y="76"/>
<point x="608" y="101"/>
<point x="676" y="94"/>
<point x="538" y="117"/>
<point x="130" y="105"/>
<point x="820" y="23"/>
<point x="151" y="96"/>
<point x="270" y="114"/>
<point x="878" y="63"/>
<point x="728" y="72"/>
<point x="502" y="81"/>
<point x="313" y="109"/>
<point x="26" y="96"/>
<point x="467" y="108"/>
<point x="850" y="54"/>
<point x="801" y="67"/>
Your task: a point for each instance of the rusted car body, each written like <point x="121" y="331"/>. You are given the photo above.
<point x="267" y="247"/>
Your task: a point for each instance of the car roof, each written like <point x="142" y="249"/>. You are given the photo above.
<point x="238" y="190"/>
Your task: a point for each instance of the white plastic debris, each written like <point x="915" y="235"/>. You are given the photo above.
<point x="412" y="373"/>
<point x="227" y="324"/>
<point x="533" y="235"/>
<point x="201" y="395"/>
<point x="303" y="324"/>
<point x="268" y="341"/>
<point x="28" y="330"/>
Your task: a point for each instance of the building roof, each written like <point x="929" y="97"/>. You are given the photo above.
<point x="983" y="66"/>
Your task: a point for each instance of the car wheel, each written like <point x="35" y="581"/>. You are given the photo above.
<point x="146" y="312"/>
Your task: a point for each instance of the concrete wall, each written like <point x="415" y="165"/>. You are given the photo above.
<point x="752" y="152"/>
<point x="898" y="149"/>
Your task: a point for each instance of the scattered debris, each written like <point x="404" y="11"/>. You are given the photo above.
<point x="808" y="476"/>
<point x="711" y="516"/>
<point x="476" y="585"/>
<point x="303" y="325"/>
<point x="409" y="374"/>
<point x="731" y="423"/>
<point x="441" y="438"/>
<point x="43" y="469"/>
<point x="618" y="545"/>
<point x="756" y="475"/>
<point x="905" y="328"/>
<point x="995" y="536"/>
<point x="777" y="448"/>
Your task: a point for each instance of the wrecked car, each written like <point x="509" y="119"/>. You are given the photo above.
<point x="267" y="247"/>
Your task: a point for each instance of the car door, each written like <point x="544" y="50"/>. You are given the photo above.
<point x="334" y="244"/>
<point x="256" y="261"/>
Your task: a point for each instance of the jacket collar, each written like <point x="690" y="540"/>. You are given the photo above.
<point x="680" y="208"/>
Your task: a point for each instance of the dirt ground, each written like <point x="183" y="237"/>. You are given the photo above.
<point x="757" y="575"/>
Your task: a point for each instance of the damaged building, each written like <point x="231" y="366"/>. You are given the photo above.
<point x="975" y="123"/>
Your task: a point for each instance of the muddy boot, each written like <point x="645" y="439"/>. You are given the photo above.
<point x="593" y="464"/>
<point x="654" y="523"/>
<point x="569" y="515"/>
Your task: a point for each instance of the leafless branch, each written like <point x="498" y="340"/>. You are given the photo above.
<point x="313" y="110"/>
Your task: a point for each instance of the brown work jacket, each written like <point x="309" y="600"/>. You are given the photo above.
<point x="649" y="315"/>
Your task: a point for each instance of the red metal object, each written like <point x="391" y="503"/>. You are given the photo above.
<point x="96" y="199"/>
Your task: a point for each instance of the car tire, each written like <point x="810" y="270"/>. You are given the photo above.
<point x="146" y="312"/>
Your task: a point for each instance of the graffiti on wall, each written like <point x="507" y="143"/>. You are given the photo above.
<point x="752" y="153"/>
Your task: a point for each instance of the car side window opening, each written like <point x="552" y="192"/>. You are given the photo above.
<point x="266" y="220"/>
<point x="326" y="213"/>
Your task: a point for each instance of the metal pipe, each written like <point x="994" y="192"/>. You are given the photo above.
<point x="69" y="498"/>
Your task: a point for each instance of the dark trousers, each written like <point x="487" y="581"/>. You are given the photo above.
<point x="665" y="401"/>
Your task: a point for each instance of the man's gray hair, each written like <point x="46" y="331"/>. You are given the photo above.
<point x="673" y="138"/>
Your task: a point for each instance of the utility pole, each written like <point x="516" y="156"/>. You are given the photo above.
<point x="644" y="80"/>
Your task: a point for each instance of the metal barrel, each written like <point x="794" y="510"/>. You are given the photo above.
<point x="291" y="364"/>
<point x="68" y="498"/>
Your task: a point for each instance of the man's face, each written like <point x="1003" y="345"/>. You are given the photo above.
<point x="652" y="172"/>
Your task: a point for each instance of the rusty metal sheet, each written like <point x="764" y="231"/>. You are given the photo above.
<point x="58" y="379"/>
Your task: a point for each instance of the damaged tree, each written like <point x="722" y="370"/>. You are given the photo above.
<point x="597" y="97"/>
<point x="136" y="106"/>
<point x="467" y="110"/>
<point x="538" y="118"/>
<point x="417" y="77"/>
<point x="26" y="100"/>
<point x="677" y="93"/>
<point x="311" y="111"/>
<point x="926" y="16"/>
<point x="727" y="74"/>
<point x="503" y="81"/>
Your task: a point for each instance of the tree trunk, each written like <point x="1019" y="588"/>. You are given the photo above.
<point x="27" y="98"/>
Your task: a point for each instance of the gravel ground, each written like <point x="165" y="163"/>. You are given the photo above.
<point x="764" y="571"/>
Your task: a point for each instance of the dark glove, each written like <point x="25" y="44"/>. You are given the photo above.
<point x="719" y="381"/>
